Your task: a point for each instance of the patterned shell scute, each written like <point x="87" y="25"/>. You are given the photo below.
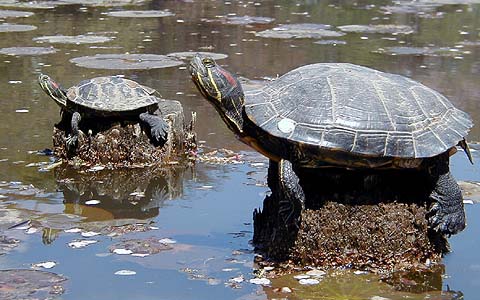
<point x="356" y="109"/>
<point x="111" y="93"/>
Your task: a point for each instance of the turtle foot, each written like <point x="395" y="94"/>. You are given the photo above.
<point x="158" y="128"/>
<point x="159" y="131"/>
<point x="447" y="220"/>
<point x="291" y="196"/>
<point x="71" y="142"/>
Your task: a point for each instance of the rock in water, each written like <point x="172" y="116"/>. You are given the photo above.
<point x="125" y="143"/>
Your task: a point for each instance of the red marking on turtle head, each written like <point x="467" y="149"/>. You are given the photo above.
<point x="228" y="76"/>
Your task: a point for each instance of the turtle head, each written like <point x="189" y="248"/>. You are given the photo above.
<point x="221" y="88"/>
<point x="53" y="89"/>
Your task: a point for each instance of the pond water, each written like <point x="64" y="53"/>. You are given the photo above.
<point x="205" y="211"/>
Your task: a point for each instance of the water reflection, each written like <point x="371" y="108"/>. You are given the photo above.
<point x="121" y="194"/>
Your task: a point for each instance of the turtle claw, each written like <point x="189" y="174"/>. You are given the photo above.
<point x="158" y="127"/>
<point x="159" y="131"/>
<point x="446" y="222"/>
<point x="71" y="141"/>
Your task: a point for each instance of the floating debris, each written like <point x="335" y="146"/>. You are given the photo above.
<point x="81" y="243"/>
<point x="309" y="281"/>
<point x="125" y="272"/>
<point x="167" y="241"/>
<point x="15" y="14"/>
<point x="31" y="230"/>
<point x="220" y="156"/>
<point x="420" y="51"/>
<point x="141" y="13"/>
<point x="330" y="42"/>
<point x="90" y="233"/>
<point x="30" y="284"/>
<point x="238" y="279"/>
<point x="240" y="20"/>
<point x="300" y="277"/>
<point x="126" y="61"/>
<point x="300" y="31"/>
<point x="122" y="251"/>
<point x="6" y="27"/>
<point x="140" y="246"/>
<point x="316" y="273"/>
<point x="45" y="265"/>
<point x="25" y="51"/>
<point x="73" y="230"/>
<point x="260" y="281"/>
<point x="187" y="55"/>
<point x="92" y="202"/>
<point x="380" y="28"/>
<point x="76" y="39"/>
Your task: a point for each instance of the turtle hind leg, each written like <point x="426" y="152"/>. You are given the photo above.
<point x="158" y="128"/>
<point x="447" y="214"/>
<point x="291" y="196"/>
<point x="72" y="139"/>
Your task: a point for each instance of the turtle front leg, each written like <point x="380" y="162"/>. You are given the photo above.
<point x="447" y="214"/>
<point x="72" y="139"/>
<point x="291" y="198"/>
<point x="158" y="127"/>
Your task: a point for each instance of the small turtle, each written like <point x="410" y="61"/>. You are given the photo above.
<point x="107" y="97"/>
<point x="347" y="116"/>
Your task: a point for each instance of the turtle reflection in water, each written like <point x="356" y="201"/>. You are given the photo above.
<point x="106" y="97"/>
<point x="344" y="116"/>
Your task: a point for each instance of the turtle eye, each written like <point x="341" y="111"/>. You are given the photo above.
<point x="208" y="62"/>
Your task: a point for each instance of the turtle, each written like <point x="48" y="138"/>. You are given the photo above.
<point x="106" y="97"/>
<point x="343" y="115"/>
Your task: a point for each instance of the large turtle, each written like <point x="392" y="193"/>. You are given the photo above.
<point x="347" y="116"/>
<point x="108" y="97"/>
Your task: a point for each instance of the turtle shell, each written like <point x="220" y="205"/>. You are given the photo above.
<point x="111" y="94"/>
<point x="357" y="110"/>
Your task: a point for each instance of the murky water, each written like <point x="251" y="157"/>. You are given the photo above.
<point x="206" y="210"/>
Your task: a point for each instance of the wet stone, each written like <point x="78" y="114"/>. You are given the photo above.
<point x="77" y="39"/>
<point x="299" y="31"/>
<point x="140" y="246"/>
<point x="30" y="284"/>
<point x="27" y="51"/>
<point x="403" y="29"/>
<point x="187" y="55"/>
<point x="15" y="14"/>
<point x="126" y="61"/>
<point x="6" y="27"/>
<point x="141" y="13"/>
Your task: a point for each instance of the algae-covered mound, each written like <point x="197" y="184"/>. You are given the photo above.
<point x="359" y="220"/>
<point x="380" y="238"/>
<point x="125" y="143"/>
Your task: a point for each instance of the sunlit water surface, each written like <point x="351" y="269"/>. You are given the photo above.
<point x="207" y="210"/>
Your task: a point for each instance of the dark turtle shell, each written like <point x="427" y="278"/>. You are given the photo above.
<point x="339" y="107"/>
<point x="111" y="94"/>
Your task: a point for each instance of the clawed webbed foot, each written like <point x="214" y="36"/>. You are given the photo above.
<point x="71" y="142"/>
<point x="159" y="131"/>
<point x="445" y="221"/>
